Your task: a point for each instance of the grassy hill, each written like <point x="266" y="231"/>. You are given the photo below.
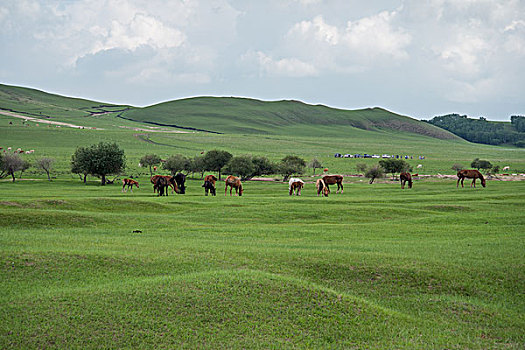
<point x="249" y="116"/>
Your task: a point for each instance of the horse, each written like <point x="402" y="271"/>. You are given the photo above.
<point x="334" y="179"/>
<point x="129" y="183"/>
<point x="295" y="185"/>
<point x="321" y="187"/>
<point x="180" y="179"/>
<point x="233" y="182"/>
<point x="470" y="174"/>
<point x="161" y="182"/>
<point x="405" y="177"/>
<point x="209" y="185"/>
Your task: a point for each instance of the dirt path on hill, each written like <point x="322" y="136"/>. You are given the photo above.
<point x="46" y="121"/>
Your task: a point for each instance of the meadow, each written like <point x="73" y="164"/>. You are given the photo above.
<point x="375" y="267"/>
<point x="87" y="266"/>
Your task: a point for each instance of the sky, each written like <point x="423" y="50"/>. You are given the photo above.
<point x="419" y="58"/>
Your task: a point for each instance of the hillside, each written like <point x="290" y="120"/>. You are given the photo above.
<point x="249" y="116"/>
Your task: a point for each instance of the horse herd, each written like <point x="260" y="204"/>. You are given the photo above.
<point x="162" y="183"/>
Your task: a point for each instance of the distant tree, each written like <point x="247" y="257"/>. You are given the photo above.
<point x="315" y="164"/>
<point x="176" y="163"/>
<point x="241" y="166"/>
<point x="361" y="168"/>
<point x="45" y="164"/>
<point x="81" y="162"/>
<point x="481" y="164"/>
<point x="457" y="167"/>
<point x="99" y="160"/>
<point x="197" y="165"/>
<point x="374" y="172"/>
<point x="150" y="160"/>
<point x="518" y="122"/>
<point x="290" y="165"/>
<point x="262" y="166"/>
<point x="25" y="165"/>
<point x="394" y="166"/>
<point x="215" y="160"/>
<point x="11" y="163"/>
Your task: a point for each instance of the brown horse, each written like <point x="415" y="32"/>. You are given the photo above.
<point x="470" y="174"/>
<point x="162" y="182"/>
<point x="129" y="183"/>
<point x="321" y="187"/>
<point x="233" y="182"/>
<point x="209" y="185"/>
<point x="295" y="185"/>
<point x="405" y="177"/>
<point x="334" y="179"/>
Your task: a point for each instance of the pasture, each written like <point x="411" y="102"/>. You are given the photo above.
<point x="376" y="267"/>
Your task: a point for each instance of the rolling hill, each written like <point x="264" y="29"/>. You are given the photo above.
<point x="221" y="115"/>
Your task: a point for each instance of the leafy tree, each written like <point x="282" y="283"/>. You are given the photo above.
<point x="518" y="122"/>
<point x="374" y="172"/>
<point x="241" y="166"/>
<point x="197" y="165"/>
<point x="81" y="162"/>
<point x="45" y="164"/>
<point x="262" y="166"/>
<point x="25" y="165"/>
<point x="457" y="167"/>
<point x="12" y="163"/>
<point x="315" y="164"/>
<point x="99" y="160"/>
<point x="481" y="164"/>
<point x="176" y="163"/>
<point x="215" y="160"/>
<point x="291" y="165"/>
<point x="361" y="168"/>
<point x="150" y="160"/>
<point x="394" y="166"/>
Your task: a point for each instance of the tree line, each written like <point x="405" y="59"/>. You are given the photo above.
<point x="483" y="131"/>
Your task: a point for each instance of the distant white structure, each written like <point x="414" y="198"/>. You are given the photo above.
<point x="505" y="168"/>
<point x="419" y="166"/>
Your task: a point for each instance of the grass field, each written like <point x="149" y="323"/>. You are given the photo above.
<point x="376" y="267"/>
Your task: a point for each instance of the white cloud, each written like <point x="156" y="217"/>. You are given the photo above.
<point x="288" y="67"/>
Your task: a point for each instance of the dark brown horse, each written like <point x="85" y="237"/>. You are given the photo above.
<point x="233" y="182"/>
<point x="161" y="184"/>
<point x="470" y="174"/>
<point x="321" y="188"/>
<point x="209" y="184"/>
<point x="405" y="177"/>
<point x="334" y="179"/>
<point x="129" y="183"/>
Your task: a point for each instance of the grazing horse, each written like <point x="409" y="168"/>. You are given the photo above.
<point x="470" y="174"/>
<point x="321" y="187"/>
<point x="233" y="182"/>
<point x="295" y="185"/>
<point x="129" y="183"/>
<point x="161" y="182"/>
<point x="209" y="185"/>
<point x="405" y="177"/>
<point x="180" y="179"/>
<point x="334" y="179"/>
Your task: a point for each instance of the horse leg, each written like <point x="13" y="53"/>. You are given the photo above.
<point x="402" y="184"/>
<point x="123" y="188"/>
<point x="462" y="179"/>
<point x="341" y="186"/>
<point x="473" y="183"/>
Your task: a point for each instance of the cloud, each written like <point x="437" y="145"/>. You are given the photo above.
<point x="287" y="67"/>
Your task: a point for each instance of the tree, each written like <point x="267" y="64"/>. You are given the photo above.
<point x="481" y="164"/>
<point x="241" y="166"/>
<point x="197" y="165"/>
<point x="315" y="164"/>
<point x="374" y="172"/>
<point x="457" y="167"/>
<point x="394" y="166"/>
<point x="215" y="160"/>
<point x="176" y="163"/>
<point x="361" y="168"/>
<point x="291" y="165"/>
<point x="99" y="160"/>
<point x="262" y="166"/>
<point x="45" y="164"/>
<point x="12" y="163"/>
<point x="25" y="165"/>
<point x="150" y="160"/>
<point x="81" y="162"/>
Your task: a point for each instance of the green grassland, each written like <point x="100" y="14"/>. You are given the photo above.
<point x="376" y="267"/>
